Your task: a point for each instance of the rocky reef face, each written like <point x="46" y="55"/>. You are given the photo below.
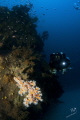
<point x="21" y="56"/>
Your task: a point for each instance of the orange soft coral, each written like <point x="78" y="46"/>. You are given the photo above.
<point x="32" y="92"/>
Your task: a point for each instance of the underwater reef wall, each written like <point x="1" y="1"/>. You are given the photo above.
<point x="26" y="86"/>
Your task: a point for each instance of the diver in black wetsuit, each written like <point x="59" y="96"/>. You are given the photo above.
<point x="59" y="62"/>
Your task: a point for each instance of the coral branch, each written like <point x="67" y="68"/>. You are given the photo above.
<point x="32" y="92"/>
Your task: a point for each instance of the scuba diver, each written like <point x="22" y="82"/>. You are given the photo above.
<point x="59" y="62"/>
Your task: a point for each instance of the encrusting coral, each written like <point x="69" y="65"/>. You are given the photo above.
<point x="30" y="90"/>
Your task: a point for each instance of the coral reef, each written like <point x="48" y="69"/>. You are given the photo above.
<point x="18" y="28"/>
<point x="31" y="91"/>
<point x="21" y="55"/>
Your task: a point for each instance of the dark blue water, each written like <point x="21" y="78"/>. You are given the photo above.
<point x="62" y="21"/>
